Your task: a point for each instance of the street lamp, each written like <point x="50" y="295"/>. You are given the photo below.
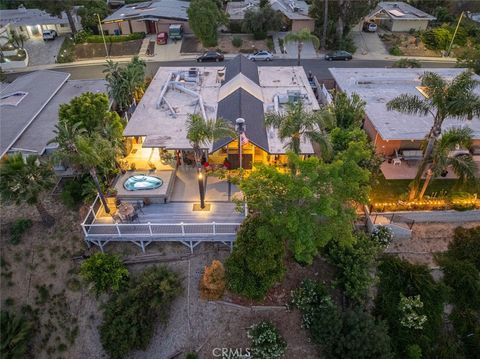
<point x="240" y="128"/>
<point x="103" y="35"/>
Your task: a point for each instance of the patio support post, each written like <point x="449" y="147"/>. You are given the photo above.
<point x="118" y="229"/>
<point x="150" y="228"/>
<point x="214" y="231"/>
<point x="240" y="127"/>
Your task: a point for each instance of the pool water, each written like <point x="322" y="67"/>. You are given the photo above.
<point x="142" y="182"/>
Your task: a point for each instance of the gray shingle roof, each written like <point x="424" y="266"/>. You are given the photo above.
<point x="240" y="64"/>
<point x="241" y="104"/>
<point x="160" y="9"/>
<point x="40" y="87"/>
<point x="32" y="17"/>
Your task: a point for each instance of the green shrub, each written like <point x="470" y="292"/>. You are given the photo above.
<point x="407" y="63"/>
<point x="67" y="51"/>
<point x="16" y="334"/>
<point x="191" y="356"/>
<point x="413" y="352"/>
<point x="256" y="262"/>
<point x="440" y="38"/>
<point x="18" y="228"/>
<point x="395" y="51"/>
<point x="352" y="334"/>
<point x="105" y="271"/>
<point x="237" y="41"/>
<point x="98" y="39"/>
<point x="354" y="264"/>
<point x="464" y="279"/>
<point x="382" y="236"/>
<point x="73" y="192"/>
<point x="267" y="343"/>
<point x="131" y="315"/>
<point x="235" y="27"/>
<point x="464" y="246"/>
<point x="347" y="44"/>
<point x="397" y="278"/>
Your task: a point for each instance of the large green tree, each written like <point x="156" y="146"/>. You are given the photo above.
<point x="349" y="111"/>
<point x="296" y="123"/>
<point x="88" y="13"/>
<point x="89" y="137"/>
<point x="310" y="206"/>
<point x="201" y="133"/>
<point x="260" y="20"/>
<point x="443" y="99"/>
<point x="204" y="17"/>
<point x="25" y="181"/>
<point x="300" y="37"/>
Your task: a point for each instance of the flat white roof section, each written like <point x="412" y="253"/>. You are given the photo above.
<point x="377" y="86"/>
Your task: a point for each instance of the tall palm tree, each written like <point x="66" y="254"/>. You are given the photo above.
<point x="463" y="165"/>
<point x="444" y="99"/>
<point x="25" y="180"/>
<point x="300" y="37"/>
<point x="325" y="24"/>
<point x="84" y="152"/>
<point x="297" y="122"/>
<point x="200" y="133"/>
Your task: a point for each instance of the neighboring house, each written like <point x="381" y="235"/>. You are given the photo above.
<point x="393" y="131"/>
<point x="238" y="90"/>
<point x="475" y="16"/>
<point x="32" y="22"/>
<point x="150" y="17"/>
<point x="29" y="109"/>
<point x="398" y="16"/>
<point x="295" y="13"/>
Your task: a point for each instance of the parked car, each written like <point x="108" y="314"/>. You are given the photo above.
<point x="369" y="26"/>
<point x="49" y="35"/>
<point x="162" y="38"/>
<point x="261" y="56"/>
<point x="338" y="55"/>
<point x="210" y="56"/>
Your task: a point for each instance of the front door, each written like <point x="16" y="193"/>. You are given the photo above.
<point x="235" y="161"/>
<point x="151" y="29"/>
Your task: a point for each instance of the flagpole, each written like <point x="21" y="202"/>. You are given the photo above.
<point x="240" y="128"/>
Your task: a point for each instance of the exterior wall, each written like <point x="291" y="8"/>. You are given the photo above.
<point x="124" y="28"/>
<point x="404" y="25"/>
<point x="138" y="26"/>
<point x="298" y="25"/>
<point x="110" y="27"/>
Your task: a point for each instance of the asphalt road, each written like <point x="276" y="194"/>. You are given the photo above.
<point x="318" y="67"/>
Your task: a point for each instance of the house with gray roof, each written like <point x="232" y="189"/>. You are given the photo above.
<point x="295" y="12"/>
<point x="398" y="16"/>
<point x="240" y="89"/>
<point x="32" y="22"/>
<point x="150" y="17"/>
<point x="29" y="109"/>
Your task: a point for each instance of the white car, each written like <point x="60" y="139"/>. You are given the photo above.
<point x="261" y="56"/>
<point x="49" y="35"/>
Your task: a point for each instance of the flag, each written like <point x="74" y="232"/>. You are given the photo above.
<point x="243" y="139"/>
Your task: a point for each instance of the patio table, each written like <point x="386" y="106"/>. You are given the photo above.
<point x="126" y="210"/>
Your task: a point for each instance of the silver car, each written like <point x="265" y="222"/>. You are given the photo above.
<point x="261" y="56"/>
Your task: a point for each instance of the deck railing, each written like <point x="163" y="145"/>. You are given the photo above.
<point x="152" y="230"/>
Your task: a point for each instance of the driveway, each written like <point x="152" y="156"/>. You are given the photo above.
<point x="43" y="52"/>
<point x="368" y="45"/>
<point x="308" y="51"/>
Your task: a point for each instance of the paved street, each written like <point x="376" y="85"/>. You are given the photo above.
<point x="319" y="67"/>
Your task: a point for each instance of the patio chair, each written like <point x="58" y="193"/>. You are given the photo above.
<point x="117" y="218"/>
<point x="138" y="207"/>
<point x="134" y="217"/>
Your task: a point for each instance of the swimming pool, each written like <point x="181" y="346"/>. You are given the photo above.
<point x="142" y="182"/>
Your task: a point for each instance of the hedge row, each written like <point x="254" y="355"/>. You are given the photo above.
<point x="114" y="38"/>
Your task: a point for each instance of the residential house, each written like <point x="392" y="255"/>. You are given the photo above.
<point x="392" y="132"/>
<point x="398" y="16"/>
<point x="150" y="17"/>
<point x="295" y="13"/>
<point x="159" y="169"/>
<point x="29" y="110"/>
<point x="32" y="22"/>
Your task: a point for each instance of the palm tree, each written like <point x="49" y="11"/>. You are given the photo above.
<point x="202" y="132"/>
<point x="25" y="180"/>
<point x="463" y="165"/>
<point x="325" y="24"/>
<point x="444" y="99"/>
<point x="300" y="37"/>
<point x="297" y="122"/>
<point x="84" y="152"/>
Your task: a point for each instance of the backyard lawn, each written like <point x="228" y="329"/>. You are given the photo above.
<point x="394" y="190"/>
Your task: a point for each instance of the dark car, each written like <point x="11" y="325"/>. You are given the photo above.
<point x="338" y="55"/>
<point x="210" y="56"/>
